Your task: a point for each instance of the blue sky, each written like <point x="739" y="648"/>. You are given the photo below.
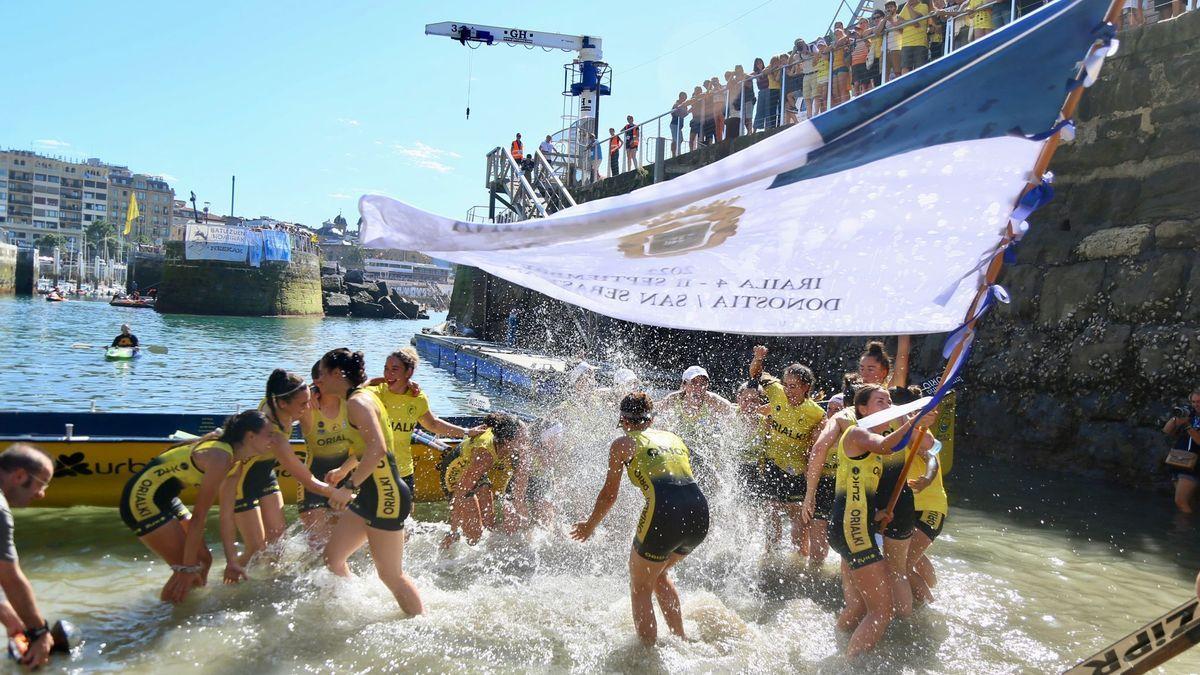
<point x="311" y="104"/>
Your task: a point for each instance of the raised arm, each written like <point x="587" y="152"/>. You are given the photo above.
<point x="756" y="364"/>
<point x="900" y="372"/>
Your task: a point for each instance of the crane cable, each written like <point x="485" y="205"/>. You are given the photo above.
<point x="469" y="85"/>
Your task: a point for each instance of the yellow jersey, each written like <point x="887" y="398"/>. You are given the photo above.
<point x="498" y="476"/>
<point x="327" y="436"/>
<point x="658" y="457"/>
<point x="404" y="411"/>
<point x="791" y="429"/>
<point x="982" y="18"/>
<point x="357" y="443"/>
<point x="854" y="495"/>
<point x="914" y="35"/>
<point x="933" y="497"/>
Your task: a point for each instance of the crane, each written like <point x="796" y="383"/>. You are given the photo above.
<point x="583" y="77"/>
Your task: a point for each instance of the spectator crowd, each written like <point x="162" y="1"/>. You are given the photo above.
<point x="814" y="76"/>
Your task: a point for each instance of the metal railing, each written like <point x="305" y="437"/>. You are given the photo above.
<point x="759" y="108"/>
<point x="531" y="188"/>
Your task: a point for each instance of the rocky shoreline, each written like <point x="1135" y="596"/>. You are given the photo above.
<point x="346" y="293"/>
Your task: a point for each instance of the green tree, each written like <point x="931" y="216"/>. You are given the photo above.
<point x="48" y="241"/>
<point x="99" y="233"/>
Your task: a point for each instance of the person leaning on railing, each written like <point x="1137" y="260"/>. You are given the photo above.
<point x="718" y="109"/>
<point x="679" y="111"/>
<point x="696" y="124"/>
<point x="748" y="98"/>
<point x="841" y="64"/>
<point x="764" y="96"/>
<point x="891" y="35"/>
<point x="914" y="36"/>
<point x="733" y="106"/>
<point x="860" y="51"/>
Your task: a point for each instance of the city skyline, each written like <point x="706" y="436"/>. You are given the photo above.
<point x="313" y="107"/>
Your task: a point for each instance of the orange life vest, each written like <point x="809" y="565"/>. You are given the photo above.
<point x="518" y="150"/>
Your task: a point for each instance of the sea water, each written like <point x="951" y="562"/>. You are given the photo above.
<point x="1035" y="569"/>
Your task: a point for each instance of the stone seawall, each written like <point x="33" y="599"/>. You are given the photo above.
<point x="26" y="277"/>
<point x="1103" y="334"/>
<point x="146" y="269"/>
<point x="8" y="269"/>
<point x="221" y="288"/>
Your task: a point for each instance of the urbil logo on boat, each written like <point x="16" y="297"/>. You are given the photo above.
<point x="76" y="464"/>
<point x="692" y="229"/>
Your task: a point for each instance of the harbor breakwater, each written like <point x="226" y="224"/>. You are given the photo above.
<point x="1102" y="336"/>
<point x="8" y="269"/>
<point x="275" y="288"/>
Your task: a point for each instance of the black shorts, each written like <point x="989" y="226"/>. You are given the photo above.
<point x="860" y="73"/>
<point x="930" y="522"/>
<point x="675" y="523"/>
<point x="823" y="503"/>
<point x="912" y="58"/>
<point x="783" y="486"/>
<point x="852" y="535"/>
<point x="904" y="516"/>
<point x="161" y="508"/>
<point x="874" y="72"/>
<point x="384" y="500"/>
<point x="258" y="480"/>
<point x="318" y="466"/>
<point x="750" y="478"/>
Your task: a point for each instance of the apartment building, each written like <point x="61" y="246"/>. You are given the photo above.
<point x="41" y="195"/>
<point x="155" y="204"/>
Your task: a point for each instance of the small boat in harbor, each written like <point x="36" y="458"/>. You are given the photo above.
<point x="54" y="297"/>
<point x="138" y="303"/>
<point x="96" y="453"/>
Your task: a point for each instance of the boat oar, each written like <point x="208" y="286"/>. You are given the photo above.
<point x="891" y="507"/>
<point x="1149" y="646"/>
<point x="153" y="349"/>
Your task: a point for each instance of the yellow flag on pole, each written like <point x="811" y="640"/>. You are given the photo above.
<point x="132" y="212"/>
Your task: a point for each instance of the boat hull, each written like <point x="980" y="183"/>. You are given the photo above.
<point x="95" y="454"/>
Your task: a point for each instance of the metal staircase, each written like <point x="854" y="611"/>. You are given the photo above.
<point x="534" y="190"/>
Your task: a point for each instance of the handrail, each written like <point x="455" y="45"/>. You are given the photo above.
<point x="553" y="176"/>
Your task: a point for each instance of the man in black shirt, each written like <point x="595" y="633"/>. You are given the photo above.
<point x="24" y="474"/>
<point x="125" y="339"/>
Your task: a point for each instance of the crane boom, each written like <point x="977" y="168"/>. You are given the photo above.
<point x="465" y="32"/>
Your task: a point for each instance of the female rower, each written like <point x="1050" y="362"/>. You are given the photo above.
<point x="673" y="522"/>
<point x="379" y="502"/>
<point x="692" y="410"/>
<point x="929" y="499"/>
<point x="866" y="580"/>
<point x="253" y="488"/>
<point x="794" y="420"/>
<point x="822" y="471"/>
<point x="480" y="470"/>
<point x="751" y="433"/>
<point x="545" y="447"/>
<point x="326" y="449"/>
<point x="406" y="405"/>
<point x="151" y="507"/>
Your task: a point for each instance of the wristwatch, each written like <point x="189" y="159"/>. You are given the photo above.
<point x="33" y="634"/>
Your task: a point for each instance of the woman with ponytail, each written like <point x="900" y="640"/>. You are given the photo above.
<point x="379" y="501"/>
<point x="252" y="490"/>
<point x="151" y="507"/>
<point x="480" y="470"/>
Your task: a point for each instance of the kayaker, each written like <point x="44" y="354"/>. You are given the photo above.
<point x="150" y="504"/>
<point x="126" y="338"/>
<point x="674" y="520"/>
<point x="25" y="472"/>
<point x="379" y="502"/>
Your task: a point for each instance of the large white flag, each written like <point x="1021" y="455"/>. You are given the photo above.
<point x="875" y="217"/>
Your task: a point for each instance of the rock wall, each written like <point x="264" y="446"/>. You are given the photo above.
<point x="1103" y="333"/>
<point x="221" y="288"/>
<point x="146" y="269"/>
<point x="8" y="269"/>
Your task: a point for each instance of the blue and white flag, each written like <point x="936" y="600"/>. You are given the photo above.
<point x="877" y="217"/>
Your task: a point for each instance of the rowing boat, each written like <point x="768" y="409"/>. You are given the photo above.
<point x="96" y="453"/>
